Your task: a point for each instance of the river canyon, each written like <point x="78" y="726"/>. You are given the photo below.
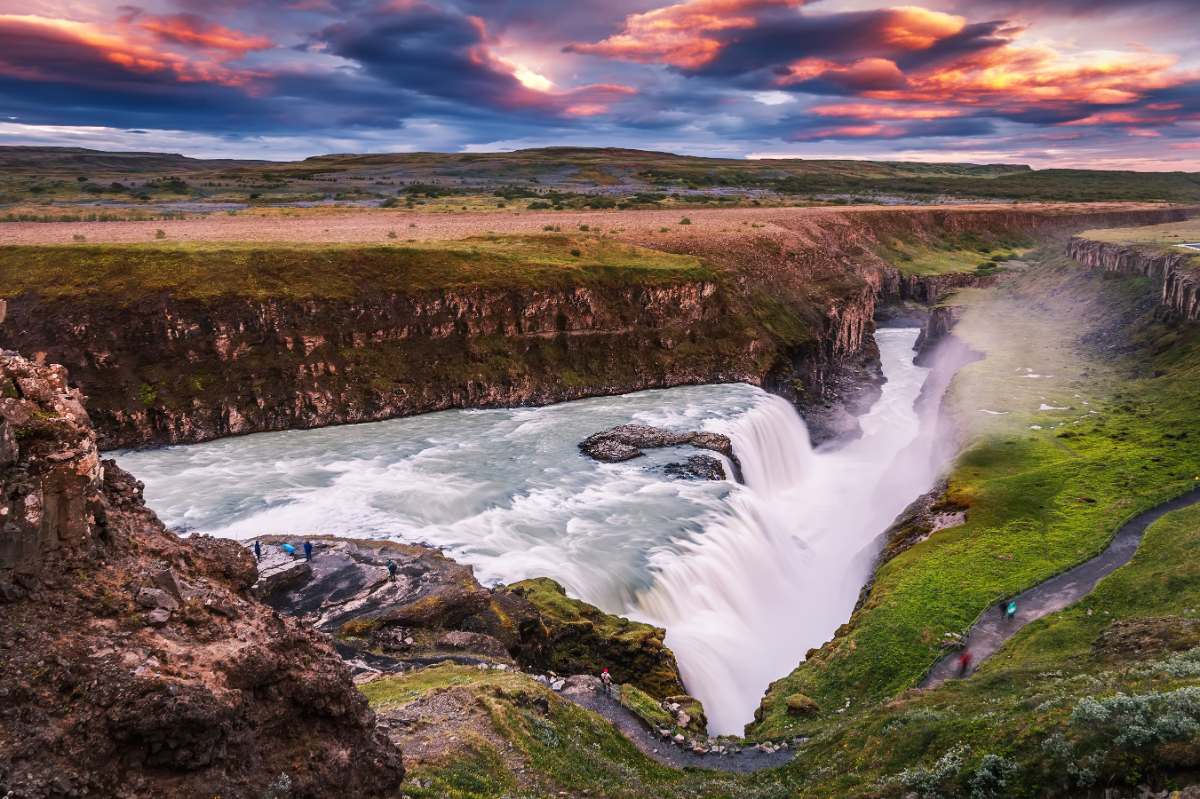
<point x="745" y="578"/>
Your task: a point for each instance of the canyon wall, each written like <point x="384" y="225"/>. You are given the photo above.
<point x="789" y="307"/>
<point x="1176" y="272"/>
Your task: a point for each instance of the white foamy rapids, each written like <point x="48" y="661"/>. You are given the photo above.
<point x="745" y="578"/>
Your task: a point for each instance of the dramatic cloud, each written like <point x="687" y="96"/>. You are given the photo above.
<point x="1054" y="81"/>
<point x="687" y="35"/>
<point x="190" y="29"/>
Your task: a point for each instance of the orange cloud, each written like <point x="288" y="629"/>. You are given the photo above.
<point x="870" y="111"/>
<point x="680" y="34"/>
<point x="121" y="50"/>
<point x="852" y="132"/>
<point x="196" y="31"/>
<point x="914" y="28"/>
<point x="1039" y="75"/>
<point x="862" y="74"/>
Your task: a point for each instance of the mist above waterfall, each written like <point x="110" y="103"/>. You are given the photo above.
<point x="746" y="578"/>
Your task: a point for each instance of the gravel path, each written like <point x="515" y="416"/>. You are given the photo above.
<point x="990" y="632"/>
<point x="668" y="753"/>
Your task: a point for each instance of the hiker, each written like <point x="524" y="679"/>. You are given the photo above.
<point x="257" y="551"/>
<point x="964" y="662"/>
<point x="1003" y="608"/>
<point x="606" y="680"/>
<point x="288" y="548"/>
<point x="391" y="567"/>
<point x="1010" y="612"/>
<point x="308" y="550"/>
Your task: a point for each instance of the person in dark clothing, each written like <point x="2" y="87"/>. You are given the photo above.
<point x="964" y="662"/>
<point x="392" y="568"/>
<point x="308" y="550"/>
<point x="257" y="551"/>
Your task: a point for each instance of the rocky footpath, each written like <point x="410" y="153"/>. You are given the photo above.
<point x="433" y="609"/>
<point x="1176" y="273"/>
<point x="137" y="664"/>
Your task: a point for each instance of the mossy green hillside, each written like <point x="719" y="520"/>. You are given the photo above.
<point x="126" y="273"/>
<point x="947" y="252"/>
<point x="1063" y="441"/>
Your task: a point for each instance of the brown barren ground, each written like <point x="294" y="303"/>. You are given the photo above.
<point x="373" y="226"/>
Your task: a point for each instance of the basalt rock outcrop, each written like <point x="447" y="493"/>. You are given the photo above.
<point x="1177" y="273"/>
<point x="134" y="663"/>
<point x="433" y="609"/>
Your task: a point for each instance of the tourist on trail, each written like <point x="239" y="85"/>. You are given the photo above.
<point x="288" y="548"/>
<point x="606" y="680"/>
<point x="1010" y="612"/>
<point x="964" y="662"/>
<point x="391" y="567"/>
<point x="257" y="551"/>
<point x="308" y="550"/>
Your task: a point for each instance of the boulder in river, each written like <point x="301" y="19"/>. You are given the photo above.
<point x="626" y="442"/>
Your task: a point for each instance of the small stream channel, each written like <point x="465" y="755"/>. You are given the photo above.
<point x="745" y="578"/>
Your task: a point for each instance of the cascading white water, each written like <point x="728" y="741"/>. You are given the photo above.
<point x="745" y="578"/>
<point x="781" y="570"/>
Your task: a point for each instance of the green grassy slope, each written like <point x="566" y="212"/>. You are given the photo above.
<point x="125" y="273"/>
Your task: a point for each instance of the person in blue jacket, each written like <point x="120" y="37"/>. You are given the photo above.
<point x="288" y="548"/>
<point x="257" y="551"/>
<point x="308" y="550"/>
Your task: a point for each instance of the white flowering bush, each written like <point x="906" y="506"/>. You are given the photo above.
<point x="1142" y="720"/>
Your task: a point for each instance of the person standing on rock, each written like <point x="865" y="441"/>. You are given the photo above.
<point x="308" y="550"/>
<point x="391" y="567"/>
<point x="257" y="551"/>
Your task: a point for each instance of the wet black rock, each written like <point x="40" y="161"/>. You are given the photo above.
<point x="629" y="440"/>
<point x="697" y="467"/>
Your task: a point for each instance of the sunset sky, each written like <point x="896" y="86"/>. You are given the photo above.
<point x="1084" y="83"/>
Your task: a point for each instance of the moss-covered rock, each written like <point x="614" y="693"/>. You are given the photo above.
<point x="801" y="705"/>
<point x="582" y="639"/>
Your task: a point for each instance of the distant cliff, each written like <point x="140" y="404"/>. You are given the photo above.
<point x="1176" y="273"/>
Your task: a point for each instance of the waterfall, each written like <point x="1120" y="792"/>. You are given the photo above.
<point x="780" y="568"/>
<point x="745" y="578"/>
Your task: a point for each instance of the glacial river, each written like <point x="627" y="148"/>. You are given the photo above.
<point x="745" y="578"/>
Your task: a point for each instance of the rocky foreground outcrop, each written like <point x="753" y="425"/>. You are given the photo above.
<point x="136" y="664"/>
<point x="1176" y="273"/>
<point x="434" y="610"/>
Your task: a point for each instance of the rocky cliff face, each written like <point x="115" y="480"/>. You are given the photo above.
<point x="135" y="664"/>
<point x="1175" y="272"/>
<point x="791" y="308"/>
